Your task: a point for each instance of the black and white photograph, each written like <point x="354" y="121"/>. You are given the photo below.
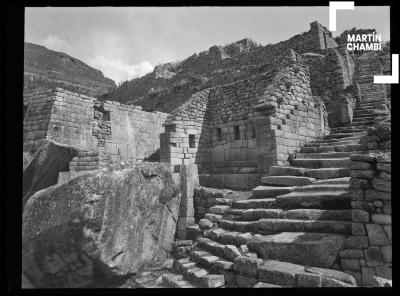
<point x="207" y="147"/>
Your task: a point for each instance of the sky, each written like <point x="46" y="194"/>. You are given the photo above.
<point x="127" y="42"/>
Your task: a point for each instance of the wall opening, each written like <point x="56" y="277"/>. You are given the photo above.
<point x="325" y="42"/>
<point x="252" y="131"/>
<point x="106" y="115"/>
<point x="237" y="132"/>
<point x="25" y="109"/>
<point x="101" y="114"/>
<point x="192" y="141"/>
<point x="219" y="134"/>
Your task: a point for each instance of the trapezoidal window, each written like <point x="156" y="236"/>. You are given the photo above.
<point x="237" y="132"/>
<point x="106" y="115"/>
<point x="219" y="134"/>
<point x="192" y="141"/>
<point x="252" y="131"/>
<point x="325" y="41"/>
<point x="101" y="114"/>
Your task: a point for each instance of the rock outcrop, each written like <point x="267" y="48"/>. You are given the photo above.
<point x="100" y="225"/>
<point x="42" y="161"/>
<point x="45" y="68"/>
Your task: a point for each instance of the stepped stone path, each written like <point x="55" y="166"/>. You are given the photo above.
<point x="290" y="231"/>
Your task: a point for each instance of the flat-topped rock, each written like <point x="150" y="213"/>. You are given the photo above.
<point x="269" y="226"/>
<point x="312" y="249"/>
<point x="293" y="275"/>
<point x="333" y="200"/>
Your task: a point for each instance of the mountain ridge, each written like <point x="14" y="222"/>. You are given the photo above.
<point x="46" y="68"/>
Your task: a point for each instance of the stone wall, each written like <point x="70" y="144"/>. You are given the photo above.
<point x="189" y="180"/>
<point x="367" y="65"/>
<point x="186" y="137"/>
<point x="369" y="250"/>
<point x="204" y="198"/>
<point x="288" y="115"/>
<point x="115" y="132"/>
<point x="314" y="40"/>
<point x="37" y="114"/>
<point x="379" y="136"/>
<point x="170" y="85"/>
<point x="242" y="128"/>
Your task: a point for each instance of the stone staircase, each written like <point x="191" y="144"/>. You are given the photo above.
<point x="290" y="231"/>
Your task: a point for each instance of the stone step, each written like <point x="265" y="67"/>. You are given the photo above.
<point x="377" y="101"/>
<point x="261" y="203"/>
<point x="317" y="214"/>
<point x="218" y="210"/>
<point x="287" y="274"/>
<point x="322" y="187"/>
<point x="364" y="117"/>
<point x="213" y="217"/>
<point x="335" y="142"/>
<point x="251" y="271"/>
<point x="361" y="123"/>
<point x="329" y="200"/>
<point x="275" y="225"/>
<point x="344" y="180"/>
<point x="227" y="237"/>
<point x="328" y="173"/>
<point x="323" y="155"/>
<point x="367" y="106"/>
<point x="149" y="280"/>
<point x="338" y="135"/>
<point x="321" y="162"/>
<point x="253" y="214"/>
<point x="370" y="104"/>
<point x="286" y="171"/>
<point x="349" y="129"/>
<point x="176" y="281"/>
<point x="272" y="226"/>
<point x="321" y="173"/>
<point x="270" y="191"/>
<point x="361" y="112"/>
<point x="300" y="214"/>
<point x="226" y="252"/>
<point x="287" y="180"/>
<point x="337" y="148"/>
<point x="311" y="249"/>
<point x="193" y="271"/>
<point x="265" y="285"/>
<point x="237" y="226"/>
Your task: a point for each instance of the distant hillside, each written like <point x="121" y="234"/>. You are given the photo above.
<point x="170" y="84"/>
<point x="45" y="68"/>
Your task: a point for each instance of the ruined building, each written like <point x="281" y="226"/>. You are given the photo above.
<point x="281" y="152"/>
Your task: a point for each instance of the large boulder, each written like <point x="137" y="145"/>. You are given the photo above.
<point x="100" y="225"/>
<point x="42" y="161"/>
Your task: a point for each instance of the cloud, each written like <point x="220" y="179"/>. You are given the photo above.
<point x="56" y="43"/>
<point x="118" y="70"/>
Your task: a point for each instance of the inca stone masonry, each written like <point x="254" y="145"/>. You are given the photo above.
<point x="282" y="156"/>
